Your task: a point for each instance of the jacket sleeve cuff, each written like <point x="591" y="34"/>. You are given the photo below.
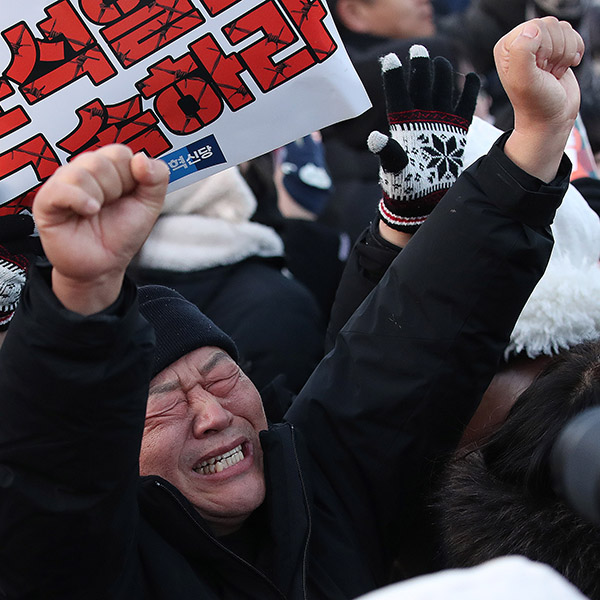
<point x="100" y="327"/>
<point x="502" y="180"/>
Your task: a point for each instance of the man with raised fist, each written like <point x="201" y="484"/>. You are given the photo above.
<point x="100" y="384"/>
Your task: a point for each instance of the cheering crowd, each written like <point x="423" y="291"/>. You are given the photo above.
<point x="337" y="369"/>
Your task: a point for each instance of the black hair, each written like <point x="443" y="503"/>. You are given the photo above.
<point x="499" y="499"/>
<point x="518" y="452"/>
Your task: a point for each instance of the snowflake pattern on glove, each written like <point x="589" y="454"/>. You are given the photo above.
<point x="445" y="156"/>
<point x="435" y="156"/>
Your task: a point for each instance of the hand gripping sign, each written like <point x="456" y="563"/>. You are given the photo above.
<point x="203" y="84"/>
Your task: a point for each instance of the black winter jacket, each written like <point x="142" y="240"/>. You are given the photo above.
<point x="345" y="470"/>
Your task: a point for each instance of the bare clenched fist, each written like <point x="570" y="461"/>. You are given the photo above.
<point x="534" y="63"/>
<point x="93" y="215"/>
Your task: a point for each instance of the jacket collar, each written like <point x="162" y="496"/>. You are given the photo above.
<point x="282" y="552"/>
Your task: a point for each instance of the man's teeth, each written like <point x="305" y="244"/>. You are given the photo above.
<point x="220" y="463"/>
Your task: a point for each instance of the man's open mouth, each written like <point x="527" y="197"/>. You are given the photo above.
<point x="216" y="464"/>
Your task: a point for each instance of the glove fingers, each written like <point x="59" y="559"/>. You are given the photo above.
<point x="420" y="77"/>
<point x="391" y="155"/>
<point x="468" y="99"/>
<point x="442" y="99"/>
<point x="394" y="85"/>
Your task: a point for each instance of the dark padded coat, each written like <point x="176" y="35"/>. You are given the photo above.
<point x="345" y="470"/>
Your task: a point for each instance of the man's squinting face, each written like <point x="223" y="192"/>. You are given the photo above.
<point x="201" y="435"/>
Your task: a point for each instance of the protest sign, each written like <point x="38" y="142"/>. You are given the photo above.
<point x="202" y="84"/>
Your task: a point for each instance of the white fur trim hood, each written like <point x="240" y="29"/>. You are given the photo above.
<point x="207" y="225"/>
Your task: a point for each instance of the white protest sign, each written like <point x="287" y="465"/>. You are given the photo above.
<point x="203" y="84"/>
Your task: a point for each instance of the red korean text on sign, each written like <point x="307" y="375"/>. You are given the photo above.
<point x="190" y="92"/>
<point x="277" y="35"/>
<point x="215" y="7"/>
<point x="104" y="12"/>
<point x="224" y="70"/>
<point x="185" y="100"/>
<point x="308" y="17"/>
<point x="21" y="203"/>
<point x="136" y="29"/>
<point x="66" y="53"/>
<point x="124" y="123"/>
<point x="12" y="119"/>
<point x="37" y="153"/>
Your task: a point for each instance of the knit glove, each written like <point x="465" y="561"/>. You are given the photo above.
<point x="18" y="245"/>
<point x="423" y="156"/>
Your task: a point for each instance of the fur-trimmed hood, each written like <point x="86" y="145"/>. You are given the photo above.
<point x="482" y="517"/>
<point x="207" y="225"/>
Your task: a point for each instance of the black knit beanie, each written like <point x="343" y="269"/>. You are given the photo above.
<point x="179" y="326"/>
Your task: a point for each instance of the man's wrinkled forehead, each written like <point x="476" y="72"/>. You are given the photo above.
<point x="168" y="379"/>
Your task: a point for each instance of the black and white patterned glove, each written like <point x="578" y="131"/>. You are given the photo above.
<point x="423" y="156"/>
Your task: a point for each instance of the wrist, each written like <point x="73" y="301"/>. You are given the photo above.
<point x="87" y="297"/>
<point x="393" y="236"/>
<point x="538" y="150"/>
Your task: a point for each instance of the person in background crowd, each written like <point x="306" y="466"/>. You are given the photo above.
<point x="384" y="19"/>
<point x="498" y="498"/>
<point x="206" y="246"/>
<point x="293" y="186"/>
